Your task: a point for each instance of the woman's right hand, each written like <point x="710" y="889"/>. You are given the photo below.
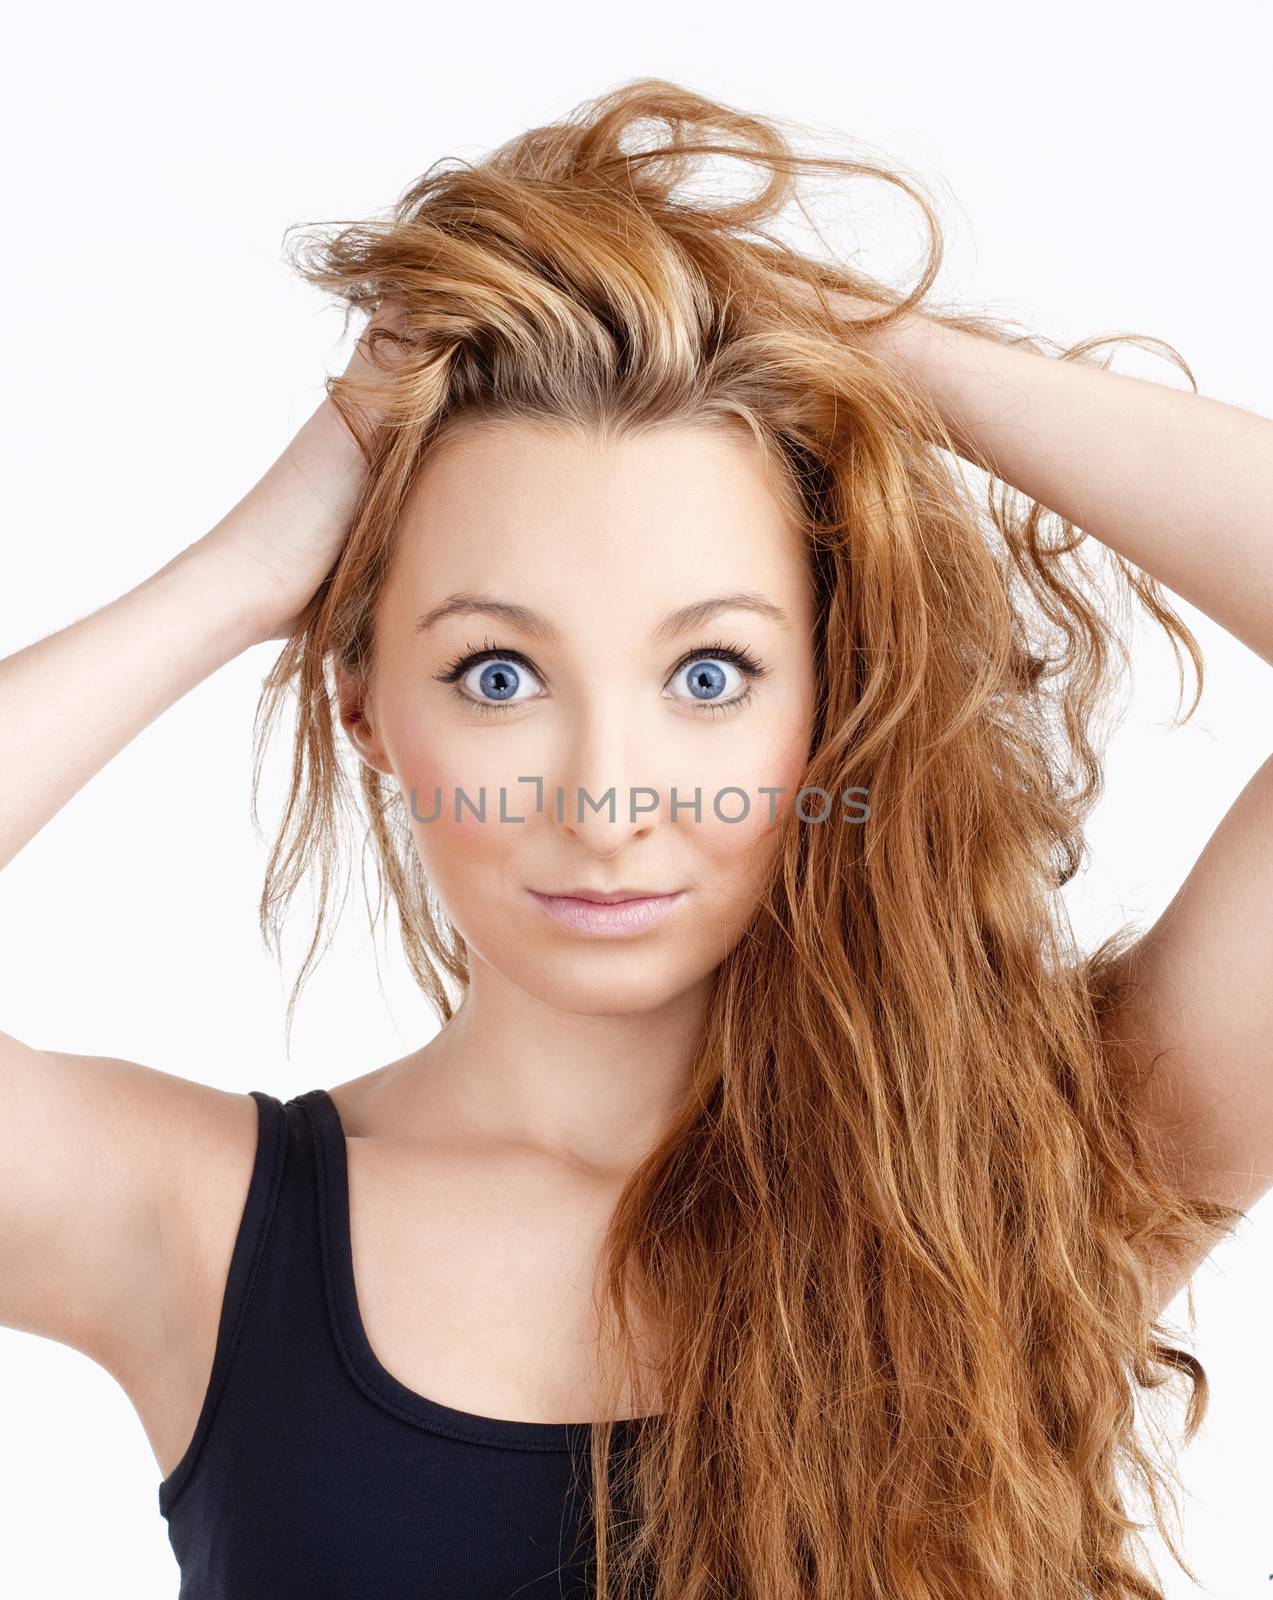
<point x="284" y="537"/>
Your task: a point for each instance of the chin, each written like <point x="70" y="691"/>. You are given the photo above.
<point x="616" y="988"/>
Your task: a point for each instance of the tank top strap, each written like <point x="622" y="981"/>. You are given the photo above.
<point x="254" y="1227"/>
<point x="253" y="1232"/>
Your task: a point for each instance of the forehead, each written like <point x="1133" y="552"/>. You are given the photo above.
<point x="673" y="511"/>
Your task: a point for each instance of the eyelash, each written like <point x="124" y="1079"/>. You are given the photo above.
<point x="718" y="650"/>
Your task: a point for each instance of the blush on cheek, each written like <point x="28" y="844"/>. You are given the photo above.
<point x="467" y="844"/>
<point x="740" y="850"/>
<point x="472" y="829"/>
<point x="430" y="775"/>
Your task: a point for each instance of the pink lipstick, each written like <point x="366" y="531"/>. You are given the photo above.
<point x="608" y="919"/>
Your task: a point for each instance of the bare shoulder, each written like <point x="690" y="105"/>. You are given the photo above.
<point x="119" y="1180"/>
<point x="373" y="1103"/>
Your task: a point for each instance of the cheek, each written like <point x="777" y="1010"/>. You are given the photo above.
<point x="447" y="784"/>
<point x="767" y="768"/>
<point x="754" y="794"/>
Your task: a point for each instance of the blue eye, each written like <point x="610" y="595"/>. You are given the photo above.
<point x="492" y="677"/>
<point x="709" y="685"/>
<point x="499" y="675"/>
<point x="708" y="681"/>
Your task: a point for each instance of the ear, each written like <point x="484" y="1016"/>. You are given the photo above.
<point x="355" y="719"/>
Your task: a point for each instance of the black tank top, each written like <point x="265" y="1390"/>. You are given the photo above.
<point x="312" y="1472"/>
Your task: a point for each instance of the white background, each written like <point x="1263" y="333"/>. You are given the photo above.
<point x="1103" y="168"/>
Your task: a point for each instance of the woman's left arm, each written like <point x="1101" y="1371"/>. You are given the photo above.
<point x="1182" y="487"/>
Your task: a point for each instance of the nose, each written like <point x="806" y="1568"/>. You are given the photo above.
<point x="608" y="789"/>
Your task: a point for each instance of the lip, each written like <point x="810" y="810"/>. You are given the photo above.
<point x="608" y="919"/>
<point x="607" y="896"/>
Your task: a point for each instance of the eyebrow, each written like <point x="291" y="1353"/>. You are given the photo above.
<point x="684" y="618"/>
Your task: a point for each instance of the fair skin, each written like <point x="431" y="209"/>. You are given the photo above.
<point x="481" y="1191"/>
<point x="572" y="1046"/>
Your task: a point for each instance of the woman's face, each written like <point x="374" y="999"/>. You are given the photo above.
<point x="535" y="650"/>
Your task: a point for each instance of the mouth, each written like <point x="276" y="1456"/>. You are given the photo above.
<point x="605" y="897"/>
<point x="617" y="914"/>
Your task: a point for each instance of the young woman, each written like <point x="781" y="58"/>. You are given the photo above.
<point x="785" y="1207"/>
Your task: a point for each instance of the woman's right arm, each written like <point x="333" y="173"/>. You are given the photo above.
<point x="93" y="1168"/>
<point x="73" y="700"/>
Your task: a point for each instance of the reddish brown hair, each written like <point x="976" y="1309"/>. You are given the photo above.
<point x="896" y="1246"/>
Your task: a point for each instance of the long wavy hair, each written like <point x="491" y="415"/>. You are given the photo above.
<point x="897" y="1243"/>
